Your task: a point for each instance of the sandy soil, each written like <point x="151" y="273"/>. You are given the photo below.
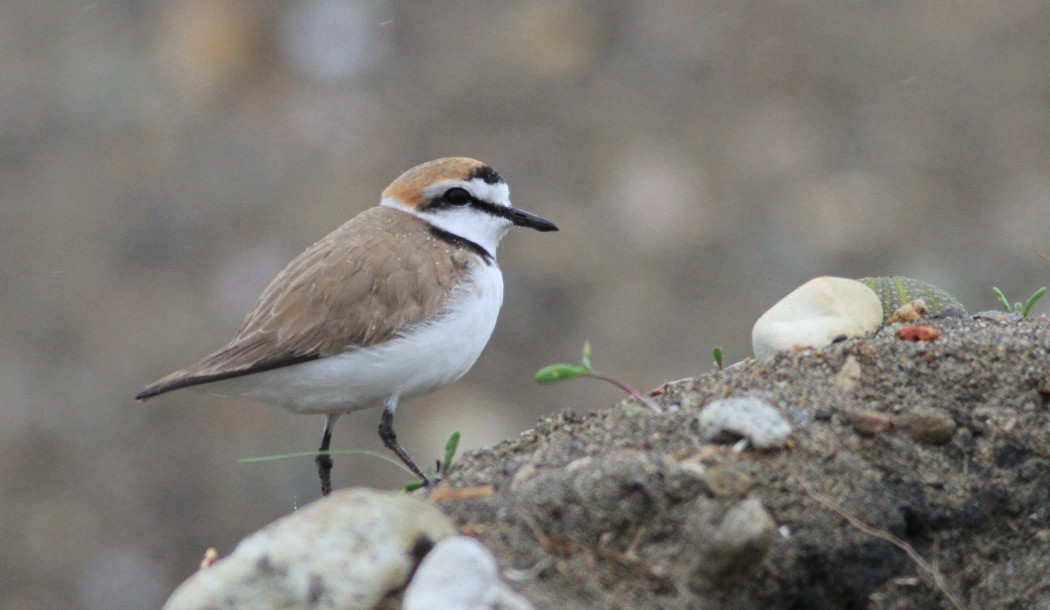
<point x="944" y="445"/>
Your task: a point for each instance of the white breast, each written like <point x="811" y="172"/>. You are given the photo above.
<point x="425" y="358"/>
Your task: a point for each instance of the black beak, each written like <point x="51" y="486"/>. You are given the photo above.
<point x="523" y="219"/>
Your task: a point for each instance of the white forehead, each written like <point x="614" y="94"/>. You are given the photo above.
<point x="498" y="193"/>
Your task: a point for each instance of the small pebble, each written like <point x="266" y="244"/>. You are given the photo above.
<point x="523" y="474"/>
<point x="739" y="544"/>
<point x="722" y="482"/>
<point x="869" y="423"/>
<point x="997" y="316"/>
<point x="918" y="333"/>
<point x="928" y="427"/>
<point x="909" y="312"/>
<point x="751" y="418"/>
<point x="849" y="375"/>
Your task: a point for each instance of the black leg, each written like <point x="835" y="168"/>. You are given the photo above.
<point x="324" y="461"/>
<point x="389" y="437"/>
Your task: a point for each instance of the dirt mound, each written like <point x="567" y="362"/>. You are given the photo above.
<point x="915" y="471"/>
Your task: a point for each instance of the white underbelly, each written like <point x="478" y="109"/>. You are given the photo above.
<point x="428" y="357"/>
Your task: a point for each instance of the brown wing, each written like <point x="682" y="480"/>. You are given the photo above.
<point x="358" y="286"/>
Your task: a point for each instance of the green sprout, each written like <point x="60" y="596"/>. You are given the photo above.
<point x="1018" y="308"/>
<point x="559" y="372"/>
<point x="443" y="465"/>
<point x="719" y="357"/>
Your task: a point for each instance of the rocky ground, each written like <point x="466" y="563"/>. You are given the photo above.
<point x="916" y="475"/>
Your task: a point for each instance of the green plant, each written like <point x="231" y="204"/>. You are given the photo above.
<point x="443" y="465"/>
<point x="1020" y="309"/>
<point x="719" y="357"/>
<point x="559" y="372"/>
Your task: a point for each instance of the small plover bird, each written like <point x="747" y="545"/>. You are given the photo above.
<point x="397" y="302"/>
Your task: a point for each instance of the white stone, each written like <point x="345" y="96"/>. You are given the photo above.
<point x="345" y="551"/>
<point x="751" y="418"/>
<point x="460" y="574"/>
<point x="814" y="314"/>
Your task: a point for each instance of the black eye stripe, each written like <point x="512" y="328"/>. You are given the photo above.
<point x="501" y="211"/>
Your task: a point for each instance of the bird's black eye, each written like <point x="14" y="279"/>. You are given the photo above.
<point x="457" y="196"/>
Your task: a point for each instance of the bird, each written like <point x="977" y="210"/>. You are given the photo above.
<point x="397" y="302"/>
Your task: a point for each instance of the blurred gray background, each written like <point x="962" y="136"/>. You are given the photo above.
<point x="160" y="161"/>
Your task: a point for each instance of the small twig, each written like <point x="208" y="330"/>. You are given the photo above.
<point x="855" y="521"/>
<point x="552" y="544"/>
<point x="546" y="543"/>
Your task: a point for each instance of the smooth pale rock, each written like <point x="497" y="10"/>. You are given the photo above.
<point x="751" y="418"/>
<point x="814" y="314"/>
<point x="346" y="552"/>
<point x="460" y="574"/>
